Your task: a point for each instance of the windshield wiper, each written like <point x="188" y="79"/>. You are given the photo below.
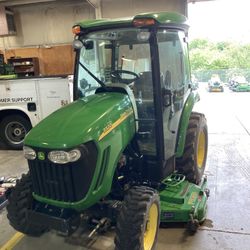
<point x="97" y="79"/>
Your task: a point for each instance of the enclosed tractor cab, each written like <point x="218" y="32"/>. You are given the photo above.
<point x="129" y="151"/>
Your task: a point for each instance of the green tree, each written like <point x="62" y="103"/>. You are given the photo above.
<point x="198" y="44"/>
<point x="207" y="55"/>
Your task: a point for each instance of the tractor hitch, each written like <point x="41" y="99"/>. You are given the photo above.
<point x="65" y="221"/>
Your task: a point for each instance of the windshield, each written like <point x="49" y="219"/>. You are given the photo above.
<point x="112" y="56"/>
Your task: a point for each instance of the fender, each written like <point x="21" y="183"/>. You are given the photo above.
<point x="183" y="125"/>
<point x="33" y="118"/>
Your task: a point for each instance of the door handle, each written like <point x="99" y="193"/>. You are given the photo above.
<point x="168" y="100"/>
<point x="167" y="97"/>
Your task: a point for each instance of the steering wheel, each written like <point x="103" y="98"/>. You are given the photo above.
<point x="117" y="74"/>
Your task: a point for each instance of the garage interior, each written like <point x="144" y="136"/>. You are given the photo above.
<point x="43" y="31"/>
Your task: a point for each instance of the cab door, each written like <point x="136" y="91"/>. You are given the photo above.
<point x="175" y="79"/>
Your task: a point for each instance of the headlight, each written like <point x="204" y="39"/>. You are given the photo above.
<point x="63" y="157"/>
<point x="29" y="153"/>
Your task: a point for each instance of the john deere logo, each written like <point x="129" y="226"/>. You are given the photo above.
<point x="41" y="156"/>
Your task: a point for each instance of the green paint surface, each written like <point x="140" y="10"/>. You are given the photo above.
<point x="242" y="88"/>
<point x="183" y="125"/>
<point x="78" y="122"/>
<point x="160" y="17"/>
<point x="179" y="201"/>
<point x="86" y="120"/>
<point x="6" y="77"/>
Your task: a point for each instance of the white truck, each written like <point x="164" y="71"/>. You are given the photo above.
<point x="25" y="102"/>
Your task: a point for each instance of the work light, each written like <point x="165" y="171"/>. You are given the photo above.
<point x="29" y="153"/>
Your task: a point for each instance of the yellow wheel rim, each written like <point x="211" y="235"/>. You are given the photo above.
<point x="201" y="149"/>
<point x="151" y="227"/>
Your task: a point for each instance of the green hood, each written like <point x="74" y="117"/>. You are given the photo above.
<point x="86" y="119"/>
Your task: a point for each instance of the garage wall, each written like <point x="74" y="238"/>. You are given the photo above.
<point x="44" y="30"/>
<point x="40" y="25"/>
<point x="54" y="60"/>
<point x="119" y="8"/>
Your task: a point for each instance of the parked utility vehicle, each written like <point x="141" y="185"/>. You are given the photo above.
<point x="239" y="84"/>
<point x="215" y="84"/>
<point x="25" y="102"/>
<point x="111" y="156"/>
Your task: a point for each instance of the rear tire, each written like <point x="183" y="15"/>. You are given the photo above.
<point x="193" y="161"/>
<point x="138" y="221"/>
<point x="13" y="130"/>
<point x="20" y="201"/>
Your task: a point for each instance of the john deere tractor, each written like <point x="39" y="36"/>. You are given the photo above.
<point x="129" y="151"/>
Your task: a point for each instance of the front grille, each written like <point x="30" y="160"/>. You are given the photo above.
<point x="64" y="182"/>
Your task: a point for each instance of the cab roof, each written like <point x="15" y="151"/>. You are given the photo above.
<point x="166" y="19"/>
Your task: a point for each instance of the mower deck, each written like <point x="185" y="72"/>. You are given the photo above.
<point x="182" y="201"/>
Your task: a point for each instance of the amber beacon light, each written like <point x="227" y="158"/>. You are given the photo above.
<point x="140" y="22"/>
<point x="76" y="30"/>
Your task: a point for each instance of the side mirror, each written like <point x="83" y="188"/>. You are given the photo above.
<point x="78" y="44"/>
<point x="89" y="45"/>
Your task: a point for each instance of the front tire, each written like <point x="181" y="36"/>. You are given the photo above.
<point x="138" y="221"/>
<point x="13" y="130"/>
<point x="192" y="163"/>
<point x="20" y="201"/>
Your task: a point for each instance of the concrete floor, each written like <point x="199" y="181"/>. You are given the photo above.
<point x="228" y="170"/>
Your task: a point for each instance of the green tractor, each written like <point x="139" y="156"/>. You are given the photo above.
<point x="129" y="151"/>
